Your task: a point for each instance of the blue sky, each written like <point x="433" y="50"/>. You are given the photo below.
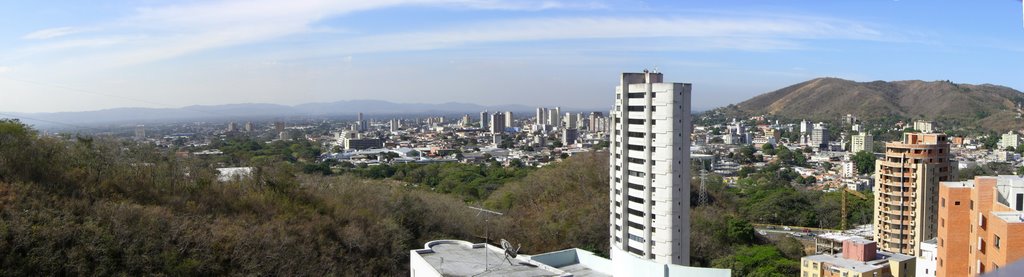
<point x="87" y="55"/>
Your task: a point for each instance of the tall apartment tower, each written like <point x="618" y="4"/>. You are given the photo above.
<point x="806" y="127"/>
<point x="554" y="118"/>
<point x="907" y="189"/>
<point x="569" y="121"/>
<point x="819" y="136"/>
<point x="497" y="123"/>
<point x="483" y="120"/>
<point x="541" y="116"/>
<point x="508" y="119"/>
<point x="595" y="125"/>
<point x="650" y="170"/>
<point x="361" y="123"/>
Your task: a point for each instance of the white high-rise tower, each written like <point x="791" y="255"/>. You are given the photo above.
<point x="650" y="170"/>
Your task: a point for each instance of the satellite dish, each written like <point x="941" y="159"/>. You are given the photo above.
<point x="509" y="251"/>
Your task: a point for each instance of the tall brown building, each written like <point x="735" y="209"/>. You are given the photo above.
<point x="981" y="225"/>
<point x="906" y="191"/>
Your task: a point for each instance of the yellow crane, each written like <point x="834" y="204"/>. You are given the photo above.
<point x="842" y="223"/>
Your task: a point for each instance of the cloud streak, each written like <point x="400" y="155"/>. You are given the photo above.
<point x="650" y="34"/>
<point x="52" y="33"/>
<point x="166" y="32"/>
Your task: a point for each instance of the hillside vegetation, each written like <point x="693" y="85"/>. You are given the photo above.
<point x="991" y="107"/>
<point x="94" y="207"/>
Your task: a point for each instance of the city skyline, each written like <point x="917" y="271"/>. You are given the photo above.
<point x="91" y="56"/>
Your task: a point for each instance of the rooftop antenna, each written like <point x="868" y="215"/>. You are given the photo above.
<point x="509" y="252"/>
<point x="487" y="233"/>
<point x="655" y="69"/>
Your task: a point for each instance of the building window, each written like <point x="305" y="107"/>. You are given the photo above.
<point x="636" y="200"/>
<point x="996" y="240"/>
<point x="956" y="203"/>
<point x="1020" y="201"/>
<point x="635" y="212"/>
<point x="971" y="206"/>
<point x="981" y="245"/>
<point x="943" y="199"/>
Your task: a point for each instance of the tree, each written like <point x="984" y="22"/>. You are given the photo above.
<point x="864" y="161"/>
<point x="768" y="149"/>
<point x="761" y="260"/>
<point x="740" y="231"/>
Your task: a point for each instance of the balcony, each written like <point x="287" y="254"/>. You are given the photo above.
<point x="894" y="173"/>
<point x="904" y="222"/>
<point x="897" y="212"/>
<point x="898" y="193"/>
<point x="896" y="185"/>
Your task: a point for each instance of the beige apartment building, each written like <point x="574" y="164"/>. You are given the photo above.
<point x="906" y="191"/>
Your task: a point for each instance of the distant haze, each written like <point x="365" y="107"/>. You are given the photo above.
<point x="61" y="56"/>
<point x="252" y="111"/>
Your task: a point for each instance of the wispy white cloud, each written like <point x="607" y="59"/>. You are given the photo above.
<point x="52" y="33"/>
<point x="533" y="5"/>
<point x="165" y="32"/>
<point x="651" y="34"/>
<point x="5" y="69"/>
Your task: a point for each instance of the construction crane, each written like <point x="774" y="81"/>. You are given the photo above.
<point x="842" y="223"/>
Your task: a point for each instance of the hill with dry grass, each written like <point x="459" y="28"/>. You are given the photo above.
<point x="990" y="107"/>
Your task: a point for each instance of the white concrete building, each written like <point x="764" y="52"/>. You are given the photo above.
<point x="541" y="116"/>
<point x="924" y="126"/>
<point x="861" y="142"/>
<point x="650" y="170"/>
<point x="926" y="261"/>
<point x="849" y="169"/>
<point x="1009" y="139"/>
<point x="806" y="127"/>
<point x="819" y="136"/>
<point x="508" y="119"/>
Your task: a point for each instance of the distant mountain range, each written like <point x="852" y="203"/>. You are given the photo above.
<point x="989" y="107"/>
<point x="255" y="111"/>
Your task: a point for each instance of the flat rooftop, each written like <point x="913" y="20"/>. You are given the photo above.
<point x="858" y="266"/>
<point x="1010" y="217"/>
<point x="455" y="258"/>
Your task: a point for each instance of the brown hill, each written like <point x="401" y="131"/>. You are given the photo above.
<point x="989" y="107"/>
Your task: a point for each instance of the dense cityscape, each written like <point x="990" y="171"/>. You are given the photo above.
<point x="511" y="138"/>
<point x="888" y="178"/>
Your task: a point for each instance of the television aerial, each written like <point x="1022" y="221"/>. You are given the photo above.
<point x="509" y="251"/>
